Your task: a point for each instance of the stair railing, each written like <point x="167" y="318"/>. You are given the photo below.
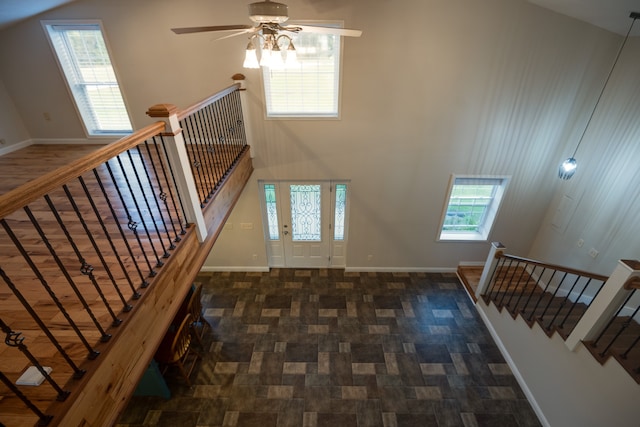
<point x="81" y="243"/>
<point x="604" y="311"/>
<point x="553" y="296"/>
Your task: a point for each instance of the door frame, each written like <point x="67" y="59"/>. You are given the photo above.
<point x="275" y="247"/>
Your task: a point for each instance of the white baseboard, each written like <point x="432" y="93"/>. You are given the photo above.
<point x="15" y="147"/>
<point x="507" y="357"/>
<point x="400" y="269"/>
<point x="74" y="141"/>
<point x="471" y="263"/>
<point x="260" y="269"/>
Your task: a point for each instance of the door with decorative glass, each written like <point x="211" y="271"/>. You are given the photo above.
<point x="305" y="223"/>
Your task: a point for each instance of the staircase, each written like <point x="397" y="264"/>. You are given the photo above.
<point x="557" y="299"/>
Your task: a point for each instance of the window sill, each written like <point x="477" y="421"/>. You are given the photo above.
<point x="462" y="237"/>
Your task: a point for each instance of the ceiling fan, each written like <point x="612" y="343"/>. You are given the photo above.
<point x="269" y="18"/>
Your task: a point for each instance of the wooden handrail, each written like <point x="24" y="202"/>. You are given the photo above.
<point x="632" y="283"/>
<point x="556" y="267"/>
<point x="213" y="98"/>
<point x="33" y="190"/>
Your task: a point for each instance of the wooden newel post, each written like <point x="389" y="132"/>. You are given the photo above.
<point x="605" y="305"/>
<point x="490" y="264"/>
<point x="177" y="153"/>
<point x="244" y="104"/>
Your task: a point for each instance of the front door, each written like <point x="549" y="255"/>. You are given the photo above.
<point x="305" y="223"/>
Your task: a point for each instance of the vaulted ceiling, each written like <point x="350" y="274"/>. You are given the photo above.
<point x="612" y="15"/>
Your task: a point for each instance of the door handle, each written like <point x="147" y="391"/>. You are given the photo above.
<point x="285" y="232"/>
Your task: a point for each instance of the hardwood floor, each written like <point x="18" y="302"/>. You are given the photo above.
<point x="21" y="166"/>
<point x="46" y="267"/>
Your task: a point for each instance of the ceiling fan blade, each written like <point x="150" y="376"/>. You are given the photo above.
<point x="239" y="33"/>
<point x="330" y="30"/>
<point x="189" y="30"/>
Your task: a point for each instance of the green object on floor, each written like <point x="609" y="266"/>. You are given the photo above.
<point x="153" y="383"/>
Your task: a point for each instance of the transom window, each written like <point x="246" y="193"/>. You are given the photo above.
<point x="312" y="87"/>
<point x="84" y="59"/>
<point x="472" y="206"/>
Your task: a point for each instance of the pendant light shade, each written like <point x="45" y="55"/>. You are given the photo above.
<point x="568" y="168"/>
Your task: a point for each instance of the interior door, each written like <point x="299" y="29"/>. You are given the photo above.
<point x="306" y="224"/>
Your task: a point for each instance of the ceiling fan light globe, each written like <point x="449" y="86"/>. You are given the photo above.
<point x="251" y="59"/>
<point x="265" y="59"/>
<point x="292" y="59"/>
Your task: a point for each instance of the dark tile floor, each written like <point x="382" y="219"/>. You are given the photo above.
<point x="316" y="348"/>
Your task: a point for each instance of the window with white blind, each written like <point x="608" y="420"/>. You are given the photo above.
<point x="312" y="87"/>
<point x="83" y="57"/>
<point x="472" y="206"/>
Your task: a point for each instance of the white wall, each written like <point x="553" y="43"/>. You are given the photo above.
<point x="588" y="394"/>
<point x="430" y="89"/>
<point x="12" y="130"/>
<point x="606" y="187"/>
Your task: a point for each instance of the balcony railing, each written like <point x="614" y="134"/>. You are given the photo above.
<point x="82" y="246"/>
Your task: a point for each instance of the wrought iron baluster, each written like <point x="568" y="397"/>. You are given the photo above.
<point x="77" y="372"/>
<point x="234" y="116"/>
<point x="195" y="160"/>
<point x="516" y="287"/>
<point x="573" y="305"/>
<point x="13" y="339"/>
<point x="85" y="267"/>
<point x="104" y="336"/>
<point x="622" y="328"/>
<point x="502" y="272"/>
<point x="542" y="294"/>
<point x="144" y="282"/>
<point x="133" y="225"/>
<point x="553" y="296"/>
<point x="164" y="196"/>
<point x="524" y="288"/>
<point x="492" y="282"/>
<point x="217" y="151"/>
<point x="206" y="154"/>
<point x="509" y="282"/>
<point x="240" y="119"/>
<point x="175" y="185"/>
<point x="533" y="290"/>
<point x="125" y="306"/>
<point x="166" y="253"/>
<point x="44" y="419"/>
<point x="106" y="233"/>
<point x="155" y="197"/>
<point x="222" y="140"/>
<point x="230" y="127"/>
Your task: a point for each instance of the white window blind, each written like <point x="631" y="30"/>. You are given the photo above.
<point x="85" y="62"/>
<point x="310" y="89"/>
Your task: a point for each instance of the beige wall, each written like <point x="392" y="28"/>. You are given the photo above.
<point x="12" y="130"/>
<point x="498" y="87"/>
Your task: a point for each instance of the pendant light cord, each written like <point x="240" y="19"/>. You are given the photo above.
<point x="605" y="83"/>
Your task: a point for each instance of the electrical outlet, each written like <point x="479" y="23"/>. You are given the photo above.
<point x="580" y="243"/>
<point x="46" y="116"/>
<point x="593" y="253"/>
<point x="369" y="257"/>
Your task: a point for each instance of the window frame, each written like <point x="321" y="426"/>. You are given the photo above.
<point x="314" y="115"/>
<point x="97" y="24"/>
<point x="490" y="214"/>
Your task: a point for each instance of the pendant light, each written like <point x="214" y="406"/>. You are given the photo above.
<point x="569" y="166"/>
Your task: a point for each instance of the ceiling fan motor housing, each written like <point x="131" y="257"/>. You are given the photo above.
<point x="268" y="11"/>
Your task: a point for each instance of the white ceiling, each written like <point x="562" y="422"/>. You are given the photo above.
<point x="12" y="11"/>
<point x="612" y="15"/>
